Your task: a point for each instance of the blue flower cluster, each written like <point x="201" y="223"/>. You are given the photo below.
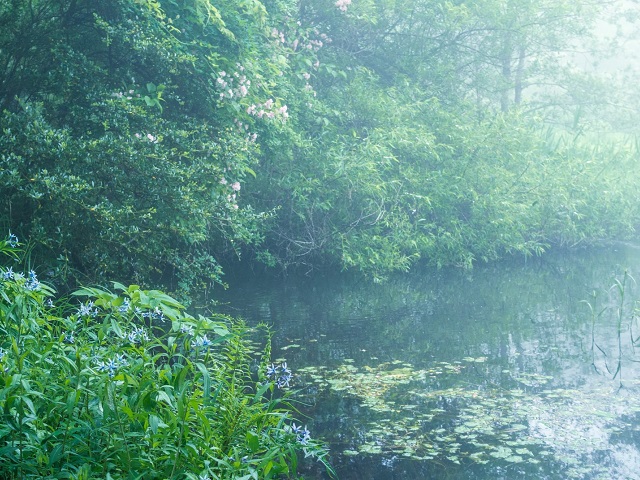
<point x="302" y="434"/>
<point x="32" y="282"/>
<point x="156" y="314"/>
<point x="281" y="375"/>
<point x="87" y="310"/>
<point x="111" y="366"/>
<point x="124" y="308"/>
<point x="138" y="335"/>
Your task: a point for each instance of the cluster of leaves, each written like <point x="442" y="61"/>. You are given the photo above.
<point x="128" y="385"/>
<point x="121" y="151"/>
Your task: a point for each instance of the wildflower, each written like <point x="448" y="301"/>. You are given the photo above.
<point x="68" y="337"/>
<point x="302" y="434"/>
<point x="187" y="329"/>
<point x="121" y="360"/>
<point x="111" y="365"/>
<point x="306" y="75"/>
<point x="272" y="371"/>
<point x="137" y="335"/>
<point x="124" y="308"/>
<point x="283" y="381"/>
<point x="48" y="303"/>
<point x="2" y="353"/>
<point x="281" y="375"/>
<point x="13" y="240"/>
<point x="157" y="314"/>
<point x="32" y="283"/>
<point x="8" y="275"/>
<point x="343" y="4"/>
<point x="223" y="181"/>
<point x="235" y="186"/>
<point x="203" y="342"/>
<point x="85" y="310"/>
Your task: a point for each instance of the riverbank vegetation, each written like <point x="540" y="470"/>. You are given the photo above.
<point x="154" y="141"/>
<point x="127" y="385"/>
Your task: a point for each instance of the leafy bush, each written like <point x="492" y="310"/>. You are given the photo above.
<point x="128" y="385"/>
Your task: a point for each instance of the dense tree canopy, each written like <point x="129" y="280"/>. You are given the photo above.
<point x="154" y="140"/>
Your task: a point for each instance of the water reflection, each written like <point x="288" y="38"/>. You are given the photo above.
<point x="502" y="372"/>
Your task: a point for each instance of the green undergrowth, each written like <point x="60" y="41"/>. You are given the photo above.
<point x="127" y="385"/>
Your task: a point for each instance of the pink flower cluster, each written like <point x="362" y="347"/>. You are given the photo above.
<point x="231" y="198"/>
<point x="233" y="85"/>
<point x="148" y="136"/>
<point x="268" y="110"/>
<point x="278" y="34"/>
<point x="343" y="4"/>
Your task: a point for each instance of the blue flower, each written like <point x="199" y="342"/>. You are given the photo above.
<point x="111" y="366"/>
<point x="186" y="328"/>
<point x="8" y="275"/>
<point x="69" y="338"/>
<point x="272" y="371"/>
<point x="2" y="353"/>
<point x="32" y="283"/>
<point x="124" y="308"/>
<point x="302" y="434"/>
<point x="137" y="335"/>
<point x="13" y="240"/>
<point x="203" y="342"/>
<point x="157" y="314"/>
<point x="85" y="310"/>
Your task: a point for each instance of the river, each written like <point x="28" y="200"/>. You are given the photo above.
<point x="522" y="369"/>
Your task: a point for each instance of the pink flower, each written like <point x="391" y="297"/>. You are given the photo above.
<point x="235" y="186"/>
<point x="342" y="4"/>
<point x="306" y="76"/>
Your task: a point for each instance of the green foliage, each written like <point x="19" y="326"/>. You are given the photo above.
<point x="128" y="385"/>
<point x="158" y="141"/>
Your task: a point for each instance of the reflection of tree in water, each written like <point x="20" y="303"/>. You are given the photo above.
<point x="520" y="400"/>
<point x="401" y="415"/>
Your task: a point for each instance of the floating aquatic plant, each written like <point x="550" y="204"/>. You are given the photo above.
<point x="412" y="416"/>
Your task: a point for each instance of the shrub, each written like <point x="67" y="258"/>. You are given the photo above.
<point x="128" y="385"/>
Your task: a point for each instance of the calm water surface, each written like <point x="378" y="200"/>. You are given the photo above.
<point x="503" y="372"/>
